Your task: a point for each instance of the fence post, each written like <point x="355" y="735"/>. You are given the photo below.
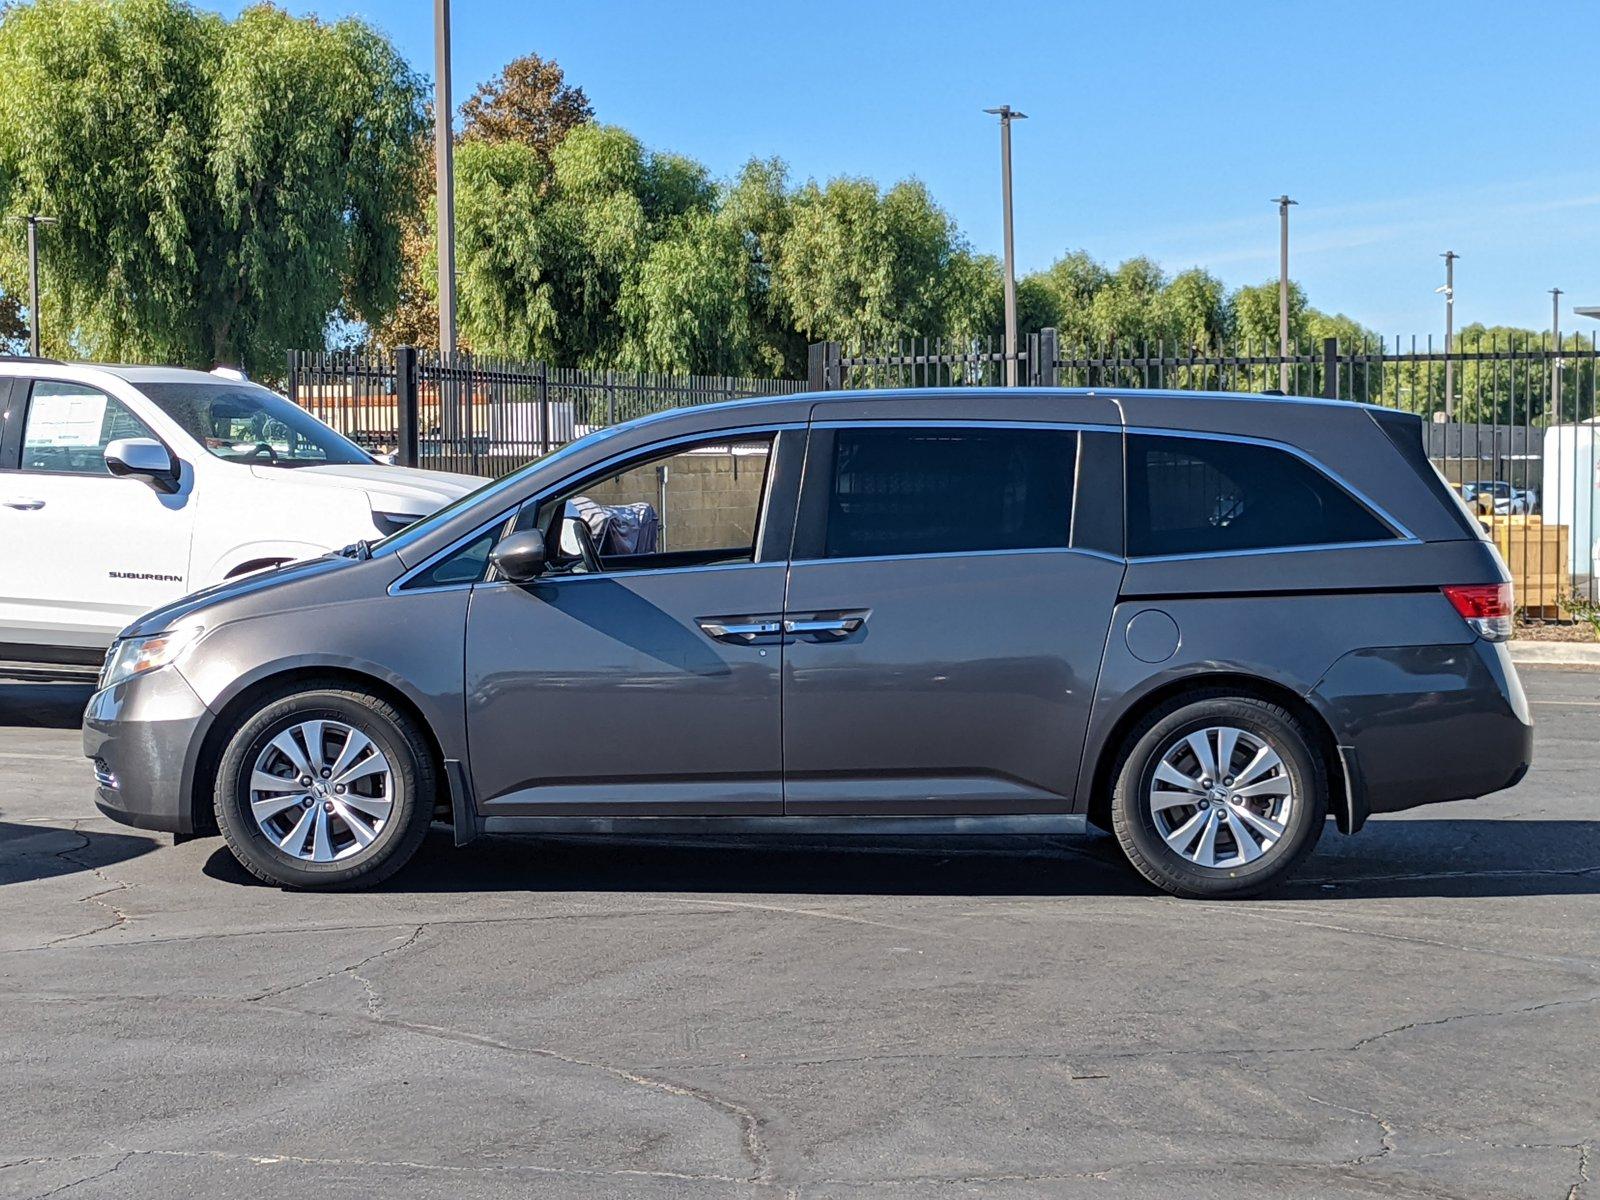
<point x="833" y="367"/>
<point x="1045" y="371"/>
<point x="816" y="366"/>
<point x="611" y="400"/>
<point x="405" y="395"/>
<point x="544" y="408"/>
<point x="1330" y="368"/>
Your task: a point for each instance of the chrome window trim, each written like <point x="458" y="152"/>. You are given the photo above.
<point x="587" y="576"/>
<point x="1298" y="548"/>
<point x="539" y="497"/>
<point x="962" y="423"/>
<point x="1402" y="534"/>
<point x="864" y="558"/>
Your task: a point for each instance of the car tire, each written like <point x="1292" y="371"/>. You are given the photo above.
<point x="330" y="834"/>
<point x="1162" y="816"/>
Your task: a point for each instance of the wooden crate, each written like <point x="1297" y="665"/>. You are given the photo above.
<point x="1537" y="556"/>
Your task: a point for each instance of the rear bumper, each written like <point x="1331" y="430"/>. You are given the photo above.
<point x="1426" y="724"/>
<point x="141" y="736"/>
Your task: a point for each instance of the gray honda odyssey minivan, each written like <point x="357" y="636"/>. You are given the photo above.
<point x="1204" y="622"/>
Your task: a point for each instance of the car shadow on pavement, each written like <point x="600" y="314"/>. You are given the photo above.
<point x="1410" y="858"/>
<point x="37" y="851"/>
<point x="43" y="705"/>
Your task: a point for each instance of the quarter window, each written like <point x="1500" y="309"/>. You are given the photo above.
<point x="949" y="490"/>
<point x="1199" y="496"/>
<point x="69" y="427"/>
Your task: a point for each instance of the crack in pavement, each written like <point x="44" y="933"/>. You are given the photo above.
<point x="118" y="916"/>
<point x="1387" y="1144"/>
<point x="1576" y="1189"/>
<point x="364" y="926"/>
<point x="751" y="1139"/>
<point x="374" y="1003"/>
<point x="1282" y="916"/>
<point x="67" y="1187"/>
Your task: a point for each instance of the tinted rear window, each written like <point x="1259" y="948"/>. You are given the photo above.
<point x="1198" y="495"/>
<point x="946" y="491"/>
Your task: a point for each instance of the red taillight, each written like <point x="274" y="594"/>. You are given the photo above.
<point x="1484" y="606"/>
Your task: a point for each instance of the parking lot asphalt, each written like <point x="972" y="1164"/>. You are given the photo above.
<point x="1417" y="1015"/>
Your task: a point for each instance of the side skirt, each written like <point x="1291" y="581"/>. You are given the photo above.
<point x="1032" y="823"/>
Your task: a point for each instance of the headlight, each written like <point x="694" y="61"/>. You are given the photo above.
<point x="135" y="656"/>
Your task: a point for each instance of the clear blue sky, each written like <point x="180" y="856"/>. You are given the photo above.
<point x="1161" y="128"/>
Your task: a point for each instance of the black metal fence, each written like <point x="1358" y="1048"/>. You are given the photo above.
<point x="1511" y="419"/>
<point x="486" y="416"/>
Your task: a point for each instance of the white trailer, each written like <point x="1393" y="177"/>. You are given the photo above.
<point x="1571" y="492"/>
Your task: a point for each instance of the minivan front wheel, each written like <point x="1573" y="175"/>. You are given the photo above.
<point x="1219" y="796"/>
<point x="325" y="788"/>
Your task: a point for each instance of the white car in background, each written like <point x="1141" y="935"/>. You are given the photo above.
<point x="123" y="488"/>
<point x="1499" y="497"/>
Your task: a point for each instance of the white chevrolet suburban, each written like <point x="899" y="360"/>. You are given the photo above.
<point x="123" y="488"/>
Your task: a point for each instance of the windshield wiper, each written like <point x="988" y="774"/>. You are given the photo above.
<point x="361" y="551"/>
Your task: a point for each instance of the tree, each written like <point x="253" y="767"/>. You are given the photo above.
<point x="529" y="102"/>
<point x="758" y="205"/>
<point x="1253" y="317"/>
<point x="221" y="187"/>
<point x="863" y="266"/>
<point x="13" y="328"/>
<point x="1194" y="311"/>
<point x="1066" y="291"/>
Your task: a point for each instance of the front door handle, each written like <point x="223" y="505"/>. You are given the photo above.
<point x="825" y="626"/>
<point x="740" y="631"/>
<point x="24" y="505"/>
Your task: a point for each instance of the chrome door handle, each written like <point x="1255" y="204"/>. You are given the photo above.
<point x="830" y="625"/>
<point x="740" y="631"/>
<point x="24" y="505"/>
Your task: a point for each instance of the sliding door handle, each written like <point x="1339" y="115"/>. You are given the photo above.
<point x="826" y="625"/>
<point x="740" y="631"/>
<point x="24" y="505"/>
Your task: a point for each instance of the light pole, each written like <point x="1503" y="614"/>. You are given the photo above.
<point x="1283" y="202"/>
<point x="1008" y="115"/>
<point x="34" y="220"/>
<point x="444" y="176"/>
<point x="1555" y="363"/>
<point x="1449" y="290"/>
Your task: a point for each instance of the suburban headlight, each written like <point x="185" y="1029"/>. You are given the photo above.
<point x="135" y="656"/>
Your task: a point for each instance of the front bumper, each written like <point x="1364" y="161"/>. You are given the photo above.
<point x="143" y="736"/>
<point x="1426" y="724"/>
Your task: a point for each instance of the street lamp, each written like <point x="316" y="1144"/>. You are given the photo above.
<point x="1449" y="290"/>
<point x="1007" y="115"/>
<point x="34" y="220"/>
<point x="444" y="176"/>
<point x="1555" y="363"/>
<point x="1283" y="202"/>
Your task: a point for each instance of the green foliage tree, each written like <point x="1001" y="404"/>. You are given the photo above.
<point x="13" y="328"/>
<point x="221" y="187"/>
<point x="865" y="266"/>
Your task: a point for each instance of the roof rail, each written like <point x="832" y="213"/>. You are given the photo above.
<point x="29" y="358"/>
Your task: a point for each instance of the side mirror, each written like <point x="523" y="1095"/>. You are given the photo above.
<point x="143" y="458"/>
<point x="520" y="557"/>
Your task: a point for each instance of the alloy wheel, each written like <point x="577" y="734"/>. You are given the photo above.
<point x="1221" y="797"/>
<point x="321" y="791"/>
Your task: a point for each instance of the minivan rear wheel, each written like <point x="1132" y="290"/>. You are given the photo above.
<point x="1219" y="795"/>
<point x="325" y="788"/>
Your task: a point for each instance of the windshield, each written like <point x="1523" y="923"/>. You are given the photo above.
<point x="241" y="422"/>
<point x="484" y="495"/>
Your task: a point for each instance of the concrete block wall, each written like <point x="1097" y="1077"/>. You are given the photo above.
<point x="707" y="499"/>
